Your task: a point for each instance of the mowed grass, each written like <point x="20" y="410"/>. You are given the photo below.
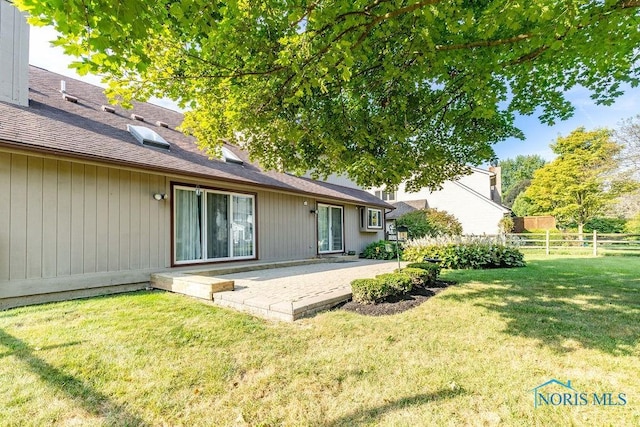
<point x="469" y="356"/>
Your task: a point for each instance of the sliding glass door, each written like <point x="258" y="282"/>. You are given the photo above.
<point x="330" y="229"/>
<point x="212" y="225"/>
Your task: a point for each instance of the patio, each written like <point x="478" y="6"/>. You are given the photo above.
<point x="288" y="292"/>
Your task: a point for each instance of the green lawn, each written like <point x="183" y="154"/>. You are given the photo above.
<point x="469" y="356"/>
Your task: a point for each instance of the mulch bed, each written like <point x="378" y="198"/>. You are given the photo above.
<point x="397" y="303"/>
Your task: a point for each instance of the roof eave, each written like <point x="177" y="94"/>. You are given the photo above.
<point x="22" y="146"/>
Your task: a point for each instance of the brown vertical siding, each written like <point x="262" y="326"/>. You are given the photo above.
<point x="66" y="225"/>
<point x="34" y="216"/>
<point x="286" y="227"/>
<point x="18" y="219"/>
<point x="5" y="215"/>
<point x="59" y="218"/>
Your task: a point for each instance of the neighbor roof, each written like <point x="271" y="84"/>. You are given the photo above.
<point x="83" y="130"/>
<point x="406" y="207"/>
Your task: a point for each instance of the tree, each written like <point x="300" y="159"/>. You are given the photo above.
<point x="517" y="174"/>
<point x="581" y="182"/>
<point x="628" y="135"/>
<point x="385" y="91"/>
<point x="523" y="206"/>
<point x="517" y="189"/>
<point x="430" y="222"/>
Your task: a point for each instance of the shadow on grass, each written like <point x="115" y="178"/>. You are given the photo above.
<point x="592" y="302"/>
<point x="369" y="415"/>
<point x="89" y="399"/>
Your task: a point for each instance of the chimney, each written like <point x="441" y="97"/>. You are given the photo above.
<point x="14" y="55"/>
<point x="496" y="184"/>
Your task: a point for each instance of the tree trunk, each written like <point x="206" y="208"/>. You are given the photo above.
<point x="580" y="235"/>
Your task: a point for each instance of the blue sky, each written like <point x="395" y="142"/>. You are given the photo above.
<point x="538" y="136"/>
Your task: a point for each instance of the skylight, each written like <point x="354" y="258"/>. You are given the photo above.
<point x="229" y="157"/>
<point x="147" y="136"/>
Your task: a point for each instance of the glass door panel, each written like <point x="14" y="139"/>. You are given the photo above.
<point x="188" y="223"/>
<point x="217" y="225"/>
<point x="242" y="226"/>
<point x="336" y="228"/>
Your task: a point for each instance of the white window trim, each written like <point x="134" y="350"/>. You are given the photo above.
<point x="203" y="229"/>
<point x="379" y="211"/>
<point x="330" y="251"/>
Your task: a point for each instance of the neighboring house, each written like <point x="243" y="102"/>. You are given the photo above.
<point x="473" y="199"/>
<point x="94" y="198"/>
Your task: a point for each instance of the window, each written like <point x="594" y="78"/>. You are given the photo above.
<point x="388" y="196"/>
<point x="374" y="218"/>
<point x="330" y="229"/>
<point x="212" y="225"/>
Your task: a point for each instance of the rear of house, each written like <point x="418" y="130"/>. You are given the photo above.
<point x="95" y="198"/>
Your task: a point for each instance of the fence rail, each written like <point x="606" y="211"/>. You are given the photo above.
<point x="594" y="242"/>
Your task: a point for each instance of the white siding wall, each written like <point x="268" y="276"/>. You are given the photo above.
<point x="476" y="212"/>
<point x="477" y="215"/>
<point x="479" y="182"/>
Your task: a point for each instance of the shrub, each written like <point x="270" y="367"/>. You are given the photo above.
<point x="399" y="283"/>
<point x="506" y="224"/>
<point x="432" y="271"/>
<point x="633" y="225"/>
<point x="429" y="222"/>
<point x="381" y="249"/>
<point x="369" y="291"/>
<point x="465" y="252"/>
<point x="605" y="225"/>
<point x="419" y="278"/>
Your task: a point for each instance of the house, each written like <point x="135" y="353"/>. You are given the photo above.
<point x="94" y="198"/>
<point x="474" y="199"/>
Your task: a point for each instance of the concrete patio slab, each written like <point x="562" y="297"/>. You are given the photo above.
<point x="290" y="293"/>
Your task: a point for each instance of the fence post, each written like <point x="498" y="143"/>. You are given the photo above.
<point x="547" y="243"/>
<point x="595" y="243"/>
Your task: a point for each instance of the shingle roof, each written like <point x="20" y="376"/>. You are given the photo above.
<point x="406" y="207"/>
<point x="83" y="130"/>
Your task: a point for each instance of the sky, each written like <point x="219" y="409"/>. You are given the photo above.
<point x="538" y="136"/>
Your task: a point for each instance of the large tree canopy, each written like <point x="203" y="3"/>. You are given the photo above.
<point x="581" y="182"/>
<point x="384" y="90"/>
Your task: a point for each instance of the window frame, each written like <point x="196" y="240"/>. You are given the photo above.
<point x="330" y="242"/>
<point x="379" y="216"/>
<point x="203" y="226"/>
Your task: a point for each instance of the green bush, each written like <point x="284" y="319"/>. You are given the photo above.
<point x="633" y="225"/>
<point x="506" y="224"/>
<point x="432" y="271"/>
<point x="399" y="283"/>
<point x="419" y="278"/>
<point x="381" y="249"/>
<point x="605" y="225"/>
<point x="429" y="222"/>
<point x="369" y="291"/>
<point x="470" y="252"/>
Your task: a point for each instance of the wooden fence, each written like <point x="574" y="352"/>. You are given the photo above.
<point x="595" y="243"/>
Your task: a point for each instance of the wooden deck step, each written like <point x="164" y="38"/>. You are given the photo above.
<point x="191" y="284"/>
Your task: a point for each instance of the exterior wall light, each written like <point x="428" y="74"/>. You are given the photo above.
<point x="160" y="196"/>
